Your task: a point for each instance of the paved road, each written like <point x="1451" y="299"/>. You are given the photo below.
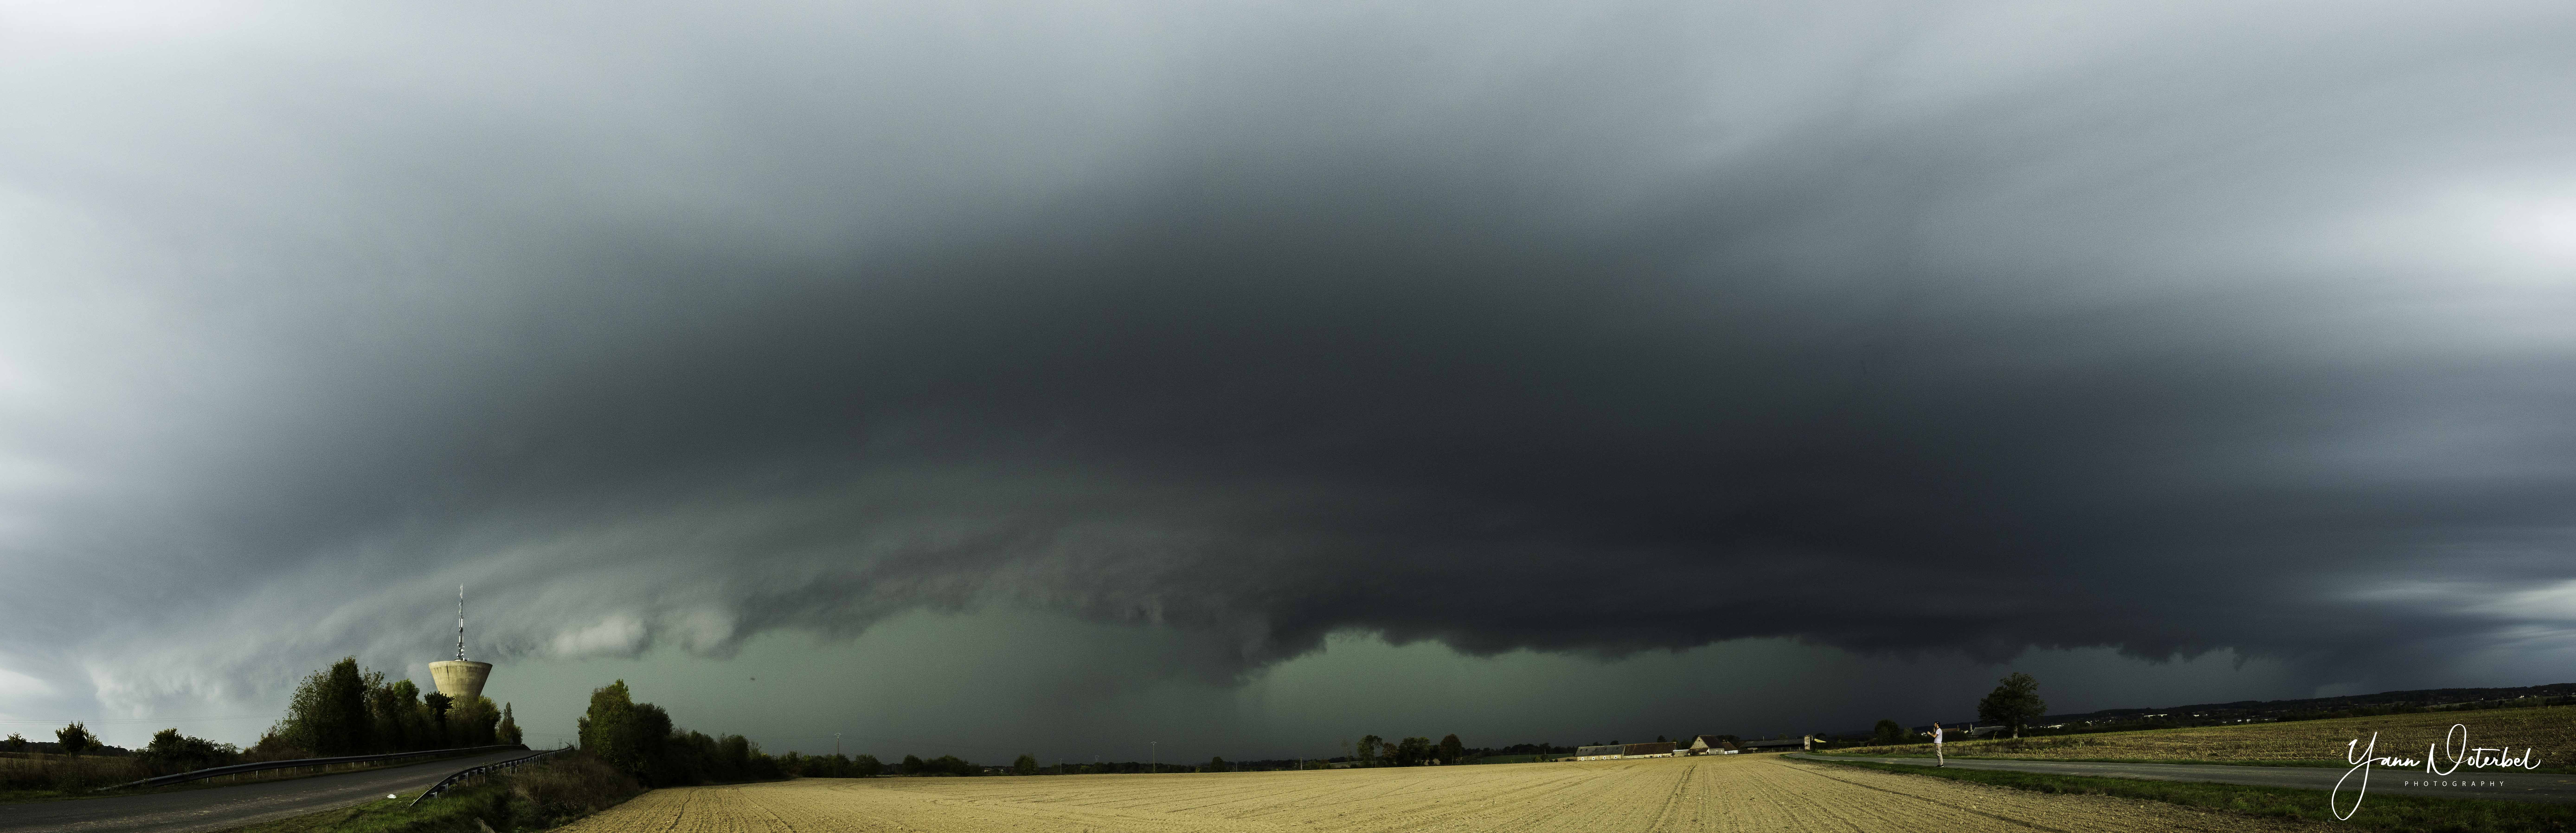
<point x="217" y="808"/>
<point x="2464" y="783"/>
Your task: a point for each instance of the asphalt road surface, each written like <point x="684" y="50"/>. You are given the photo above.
<point x="2463" y="783"/>
<point x="217" y="808"/>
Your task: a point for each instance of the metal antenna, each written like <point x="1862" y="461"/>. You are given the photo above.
<point x="460" y="623"/>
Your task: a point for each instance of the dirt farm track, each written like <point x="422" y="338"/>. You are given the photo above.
<point x="1746" y="793"/>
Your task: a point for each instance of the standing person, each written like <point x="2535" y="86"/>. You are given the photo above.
<point x="1936" y="747"/>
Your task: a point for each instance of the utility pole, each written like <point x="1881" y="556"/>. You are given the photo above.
<point x="1153" y="757"/>
<point x="836" y="744"/>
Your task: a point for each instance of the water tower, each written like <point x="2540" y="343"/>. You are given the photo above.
<point x="460" y="679"/>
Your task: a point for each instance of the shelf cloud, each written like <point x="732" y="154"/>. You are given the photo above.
<point x="1896" y="328"/>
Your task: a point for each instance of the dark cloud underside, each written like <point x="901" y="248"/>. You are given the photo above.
<point x="1648" y="329"/>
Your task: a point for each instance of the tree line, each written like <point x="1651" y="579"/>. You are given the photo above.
<point x="638" y="739"/>
<point x="348" y="710"/>
<point x="1372" y="750"/>
<point x="340" y="710"/>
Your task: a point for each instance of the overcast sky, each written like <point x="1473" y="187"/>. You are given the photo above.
<point x="1055" y="377"/>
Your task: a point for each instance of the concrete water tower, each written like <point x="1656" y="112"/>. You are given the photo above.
<point x="460" y="679"/>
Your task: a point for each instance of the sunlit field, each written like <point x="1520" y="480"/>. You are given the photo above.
<point x="1738" y="793"/>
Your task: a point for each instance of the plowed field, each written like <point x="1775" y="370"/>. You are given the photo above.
<point x="1740" y="793"/>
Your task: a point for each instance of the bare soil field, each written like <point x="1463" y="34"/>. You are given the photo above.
<point x="1735" y="793"/>
<point x="2551" y="730"/>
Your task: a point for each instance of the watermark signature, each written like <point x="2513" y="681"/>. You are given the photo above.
<point x="2461" y="754"/>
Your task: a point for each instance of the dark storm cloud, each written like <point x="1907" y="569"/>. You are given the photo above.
<point x="1893" y="328"/>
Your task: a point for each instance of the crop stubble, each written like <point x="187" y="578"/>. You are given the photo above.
<point x="1748" y="793"/>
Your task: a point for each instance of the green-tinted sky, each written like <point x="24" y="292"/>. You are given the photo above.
<point x="991" y="685"/>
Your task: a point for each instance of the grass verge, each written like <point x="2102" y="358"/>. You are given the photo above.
<point x="2547" y="732"/>
<point x="2288" y="762"/>
<point x="2379" y="812"/>
<point x="535" y="797"/>
<point x="69" y="783"/>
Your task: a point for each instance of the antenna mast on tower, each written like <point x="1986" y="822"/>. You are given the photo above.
<point x="460" y="623"/>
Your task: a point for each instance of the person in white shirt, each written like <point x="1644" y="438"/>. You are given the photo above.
<point x="1937" y="759"/>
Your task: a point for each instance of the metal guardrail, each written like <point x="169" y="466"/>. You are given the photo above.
<point x="263" y="766"/>
<point x="485" y="769"/>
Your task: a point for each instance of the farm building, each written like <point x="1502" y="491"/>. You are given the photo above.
<point x="1708" y="745"/>
<point x="1615" y="751"/>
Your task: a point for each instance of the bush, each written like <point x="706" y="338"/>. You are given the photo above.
<point x="171" y="752"/>
<point x="564" y="788"/>
<point x="75" y="739"/>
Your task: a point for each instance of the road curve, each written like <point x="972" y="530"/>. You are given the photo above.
<point x="217" y="808"/>
<point x="2465" y="783"/>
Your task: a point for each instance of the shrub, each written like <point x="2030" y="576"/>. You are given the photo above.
<point x="172" y="752"/>
<point x="75" y="739"/>
<point x="566" y="787"/>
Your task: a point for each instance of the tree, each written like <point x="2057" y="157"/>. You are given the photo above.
<point x="394" y="709"/>
<point x="2014" y="702"/>
<point x="628" y="735"/>
<point x="439" y="705"/>
<point x="75" y="739"/>
<point x="942" y="765"/>
<point x="508" y="731"/>
<point x="1217" y="764"/>
<point x="328" y="714"/>
<point x="733" y="756"/>
<point x="16" y="742"/>
<point x="1887" y="733"/>
<point x="1369" y="746"/>
<point x="472" y="722"/>
<point x="867" y="766"/>
<point x="1451" y="749"/>
<point x="1026" y="765"/>
<point x="1411" y="751"/>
